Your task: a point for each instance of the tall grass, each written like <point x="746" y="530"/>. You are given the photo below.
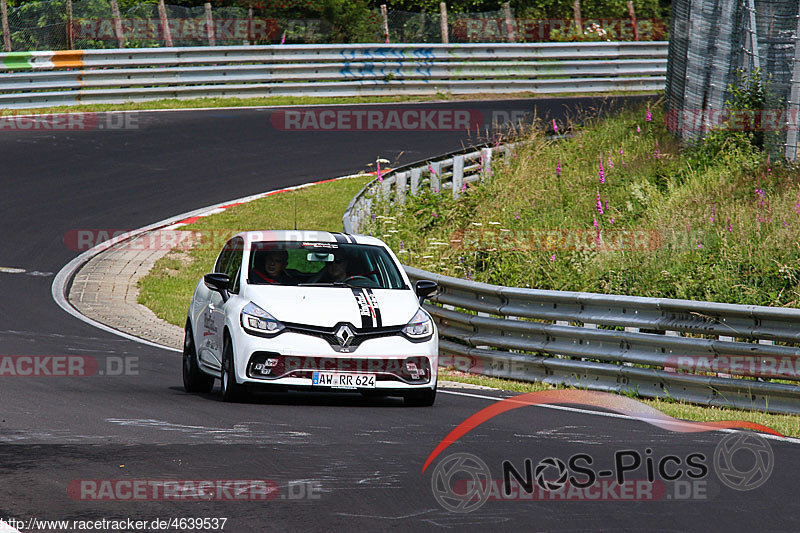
<point x="620" y="208"/>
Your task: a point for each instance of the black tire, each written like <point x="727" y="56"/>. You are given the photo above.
<point x="230" y="391"/>
<point x="194" y="379"/>
<point x="424" y="398"/>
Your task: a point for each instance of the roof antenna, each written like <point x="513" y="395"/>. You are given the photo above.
<point x="295" y="212"/>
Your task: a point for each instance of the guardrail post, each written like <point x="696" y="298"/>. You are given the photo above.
<point x="458" y="175"/>
<point x="212" y="37"/>
<point x="117" y="23"/>
<point x="436" y="172"/>
<point x="415" y="175"/>
<point x="486" y="163"/>
<point x="402" y="181"/>
<point x="162" y="14"/>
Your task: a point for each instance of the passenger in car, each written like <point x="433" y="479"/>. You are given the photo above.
<point x="275" y="262"/>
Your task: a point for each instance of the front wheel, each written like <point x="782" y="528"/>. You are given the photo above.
<point x="423" y="398"/>
<point x="194" y="379"/>
<point x="230" y="391"/>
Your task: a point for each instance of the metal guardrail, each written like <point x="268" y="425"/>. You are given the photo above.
<point x="703" y="352"/>
<point x="39" y="79"/>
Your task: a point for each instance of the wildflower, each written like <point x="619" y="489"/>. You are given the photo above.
<point x="657" y="152"/>
<point x="558" y="167"/>
<point x="610" y="163"/>
<point x="637" y="129"/>
<point x="599" y="204"/>
<point x="435" y="215"/>
<point x="553" y="257"/>
<point x="516" y="215"/>
<point x="699" y="244"/>
<point x="612" y="220"/>
<point x="402" y="245"/>
<point x="555" y="128"/>
<point x="713" y="213"/>
<point x="601" y="172"/>
<point x="785" y="225"/>
<point x="648" y="116"/>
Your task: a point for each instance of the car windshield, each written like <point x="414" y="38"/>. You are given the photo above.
<point x="323" y="264"/>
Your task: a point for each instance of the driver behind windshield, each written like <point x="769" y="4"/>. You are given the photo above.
<point x="336" y="270"/>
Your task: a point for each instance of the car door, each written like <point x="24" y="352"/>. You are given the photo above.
<point x="209" y="321"/>
<point x="217" y="306"/>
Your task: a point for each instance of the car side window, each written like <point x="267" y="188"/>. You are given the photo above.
<point x="224" y="257"/>
<point x="234" y="266"/>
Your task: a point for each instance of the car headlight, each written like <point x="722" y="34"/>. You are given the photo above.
<point x="258" y="322"/>
<point x="420" y="327"/>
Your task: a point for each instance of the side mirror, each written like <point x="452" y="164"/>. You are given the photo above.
<point x="424" y="288"/>
<point x="218" y="282"/>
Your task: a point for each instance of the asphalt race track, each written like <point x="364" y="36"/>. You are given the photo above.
<point x="337" y="462"/>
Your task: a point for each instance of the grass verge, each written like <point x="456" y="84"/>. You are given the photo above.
<point x="195" y="103"/>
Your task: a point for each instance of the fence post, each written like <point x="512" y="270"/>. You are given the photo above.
<point x="385" y="16"/>
<point x="436" y="170"/>
<point x="401" y="184"/>
<point x="576" y="12"/>
<point x="70" y="36"/>
<point x="117" y="23"/>
<point x="212" y="38"/>
<point x="632" y="14"/>
<point x="415" y="175"/>
<point x="250" y="36"/>
<point x="458" y="175"/>
<point x="445" y="34"/>
<point x="486" y="163"/>
<point x="512" y="35"/>
<point x="162" y="14"/>
<point x="6" y="31"/>
<point x="790" y="149"/>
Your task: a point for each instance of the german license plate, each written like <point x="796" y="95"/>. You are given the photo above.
<point x="340" y="380"/>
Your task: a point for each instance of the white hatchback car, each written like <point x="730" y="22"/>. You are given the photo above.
<point x="310" y="310"/>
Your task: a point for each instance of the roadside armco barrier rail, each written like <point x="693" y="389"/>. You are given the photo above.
<point x="708" y="353"/>
<point x="44" y="79"/>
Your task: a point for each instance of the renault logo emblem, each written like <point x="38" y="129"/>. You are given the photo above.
<point x="344" y="335"/>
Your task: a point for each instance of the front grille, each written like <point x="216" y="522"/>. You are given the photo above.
<point x="329" y="334"/>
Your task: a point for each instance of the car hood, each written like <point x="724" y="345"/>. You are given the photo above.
<point x="328" y="306"/>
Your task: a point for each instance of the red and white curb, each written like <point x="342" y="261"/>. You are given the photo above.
<point x="64" y="277"/>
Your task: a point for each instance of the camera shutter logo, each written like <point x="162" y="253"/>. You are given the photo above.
<point x="746" y="473"/>
<point x="548" y="464"/>
<point x="457" y="467"/>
